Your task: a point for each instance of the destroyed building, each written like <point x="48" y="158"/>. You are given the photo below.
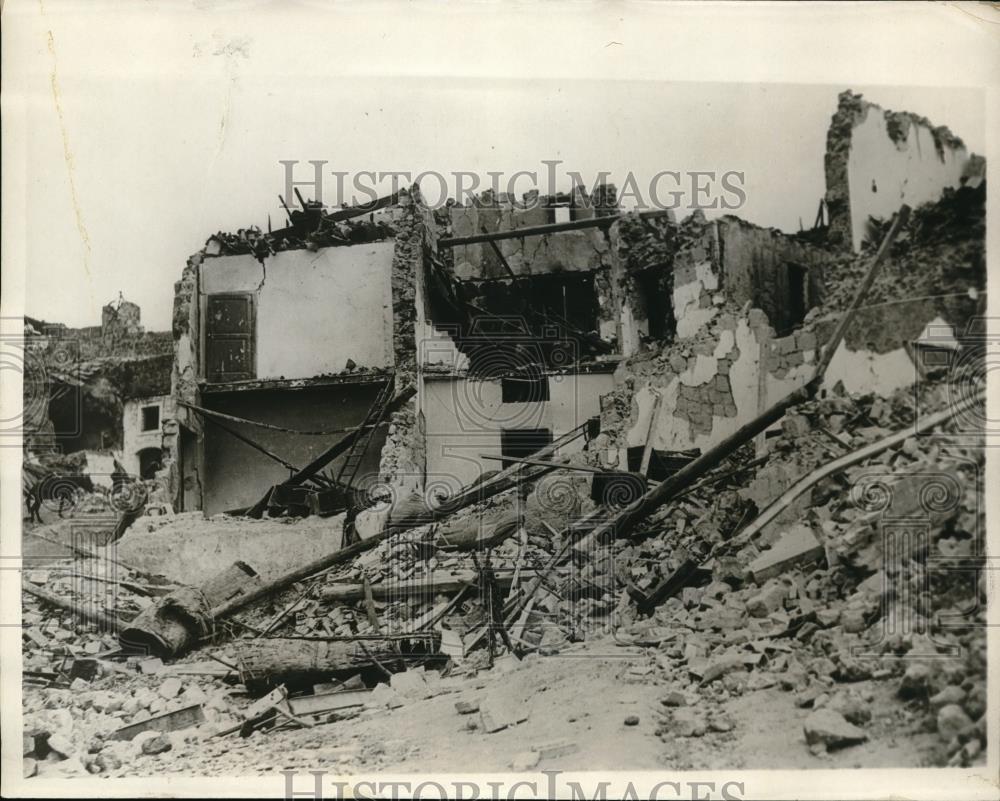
<point x="88" y="390"/>
<point x="747" y="460"/>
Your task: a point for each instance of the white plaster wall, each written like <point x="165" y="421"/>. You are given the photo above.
<point x="134" y="439"/>
<point x="912" y="173"/>
<point x="464" y="418"/>
<point x="314" y="310"/>
<point x="866" y="371"/>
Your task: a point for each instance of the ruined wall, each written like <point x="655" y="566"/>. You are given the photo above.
<point x="876" y="160"/>
<point x="181" y="436"/>
<point x="121" y="321"/>
<point x="135" y="438"/>
<point x="758" y="265"/>
<point x="708" y="384"/>
<point x="465" y="417"/>
<point x="585" y="249"/>
<point x="414" y="231"/>
<point x="315" y="311"/>
<point x="402" y="461"/>
<point x="728" y="363"/>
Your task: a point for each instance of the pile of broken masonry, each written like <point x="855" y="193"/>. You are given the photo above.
<point x="803" y="607"/>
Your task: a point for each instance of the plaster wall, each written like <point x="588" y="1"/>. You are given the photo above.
<point x="464" y="418"/>
<point x="883" y="174"/>
<point x="134" y="438"/>
<point x="314" y="310"/>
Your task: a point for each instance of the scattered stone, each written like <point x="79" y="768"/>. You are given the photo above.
<point x="385" y="696"/>
<point x="767" y="601"/>
<point x="854" y="709"/>
<point x="496" y="715"/>
<point x="107" y="762"/>
<point x="952" y="721"/>
<point x="632" y="720"/>
<point x="170" y="688"/>
<point x="30" y="767"/>
<point x="410" y="683"/>
<point x="916" y="681"/>
<point x="830" y="729"/>
<point x="524" y="761"/>
<point x="688" y="722"/>
<point x="466" y="707"/>
<point x="952" y="694"/>
<point x="61" y="745"/>
<point x="674" y="698"/>
<point x="853" y="620"/>
<point x="720" y="722"/>
<point x="158" y="744"/>
<point x="150" y="666"/>
<point x="722" y="665"/>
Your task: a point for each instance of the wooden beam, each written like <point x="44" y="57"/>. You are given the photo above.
<point x="542" y="230"/>
<point x="542" y="463"/>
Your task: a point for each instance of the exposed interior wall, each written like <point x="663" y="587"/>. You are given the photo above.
<point x="464" y="418"/>
<point x="235" y="475"/>
<point x="877" y="160"/>
<point x="315" y="311"/>
<point x="585" y="249"/>
<point x="759" y="267"/>
<point x="708" y="385"/>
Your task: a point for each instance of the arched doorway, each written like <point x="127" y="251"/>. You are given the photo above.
<point x="150" y="460"/>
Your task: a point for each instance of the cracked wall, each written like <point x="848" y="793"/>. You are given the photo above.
<point x="876" y="160"/>
<point x="708" y="384"/>
<point x="318" y="312"/>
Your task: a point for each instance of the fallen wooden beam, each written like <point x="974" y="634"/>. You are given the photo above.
<point x="179" y="620"/>
<point x="83" y="611"/>
<point x="647" y="450"/>
<point x="439" y="581"/>
<point x="266" y="663"/>
<point x="925" y="423"/>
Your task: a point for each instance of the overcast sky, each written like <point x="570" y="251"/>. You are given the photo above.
<point x="174" y="126"/>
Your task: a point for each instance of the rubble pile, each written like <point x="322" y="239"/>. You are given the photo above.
<point x="805" y="606"/>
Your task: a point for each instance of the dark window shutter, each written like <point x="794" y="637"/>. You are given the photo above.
<point x="229" y="338"/>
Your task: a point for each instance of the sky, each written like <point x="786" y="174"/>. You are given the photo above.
<point x="149" y="133"/>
